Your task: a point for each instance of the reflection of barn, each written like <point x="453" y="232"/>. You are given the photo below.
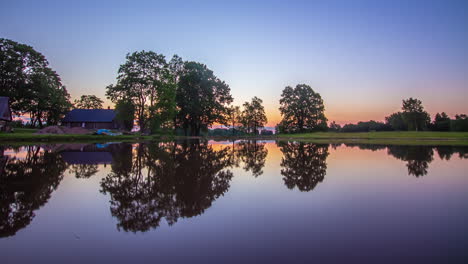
<point x="5" y="113"/>
<point x="91" y="119"/>
<point x="88" y="154"/>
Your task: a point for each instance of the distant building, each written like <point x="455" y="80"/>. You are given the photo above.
<point x="5" y="113"/>
<point x="91" y="119"/>
<point x="266" y="132"/>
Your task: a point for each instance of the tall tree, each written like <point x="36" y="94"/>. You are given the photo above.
<point x="414" y="115"/>
<point x="233" y="117"/>
<point x="141" y="80"/>
<point x="302" y="109"/>
<point x="201" y="98"/>
<point x="253" y="115"/>
<point x="89" y="102"/>
<point x="32" y="86"/>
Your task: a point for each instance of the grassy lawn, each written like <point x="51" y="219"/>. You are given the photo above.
<point x="26" y="135"/>
<point x="392" y="137"/>
<point x="406" y="138"/>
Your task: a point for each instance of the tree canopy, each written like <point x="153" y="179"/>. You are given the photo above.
<point x="89" y="102"/>
<point x="143" y="80"/>
<point x="32" y="86"/>
<point x="201" y="97"/>
<point x="302" y="109"/>
<point x="253" y="115"/>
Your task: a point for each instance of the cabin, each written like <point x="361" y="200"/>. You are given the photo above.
<point x="5" y="114"/>
<point x="91" y="119"/>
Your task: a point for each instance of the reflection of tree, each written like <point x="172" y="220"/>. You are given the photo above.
<point x="417" y="158"/>
<point x="166" y="180"/>
<point x="26" y="185"/>
<point x="83" y="171"/>
<point x="446" y="152"/>
<point x="253" y="155"/>
<point x="304" y="165"/>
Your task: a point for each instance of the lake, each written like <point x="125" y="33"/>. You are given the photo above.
<point x="236" y="202"/>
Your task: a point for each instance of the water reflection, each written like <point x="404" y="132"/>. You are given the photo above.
<point x="303" y="165"/>
<point x="26" y="185"/>
<point x="417" y="158"/>
<point x="166" y="180"/>
<point x="153" y="182"/>
<point x="253" y="154"/>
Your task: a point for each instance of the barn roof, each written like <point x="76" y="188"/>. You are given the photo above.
<point x="5" y="111"/>
<point x="90" y="115"/>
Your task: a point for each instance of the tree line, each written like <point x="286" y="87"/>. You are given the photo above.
<point x="413" y="117"/>
<point x="184" y="96"/>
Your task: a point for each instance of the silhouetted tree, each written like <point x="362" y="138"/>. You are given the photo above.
<point x="302" y="109"/>
<point x="146" y="80"/>
<point x="33" y="87"/>
<point x="253" y="116"/>
<point x="414" y="115"/>
<point x="304" y="164"/>
<point x="89" y="102"/>
<point x="202" y="98"/>
<point x="396" y="121"/>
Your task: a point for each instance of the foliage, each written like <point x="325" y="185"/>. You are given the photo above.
<point x="89" y="102"/>
<point x="201" y="98"/>
<point x="414" y="115"/>
<point x="303" y="164"/>
<point x="144" y="79"/>
<point x="460" y="123"/>
<point x="32" y="86"/>
<point x="125" y="113"/>
<point x="396" y="121"/>
<point x="302" y="110"/>
<point x="441" y="122"/>
<point x="233" y="117"/>
<point x="27" y="184"/>
<point x="253" y="116"/>
<point x="334" y="127"/>
<point x="366" y="127"/>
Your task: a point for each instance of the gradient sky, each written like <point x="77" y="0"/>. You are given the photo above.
<point x="363" y="57"/>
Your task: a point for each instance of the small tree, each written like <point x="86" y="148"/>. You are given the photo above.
<point x="89" y="102"/>
<point x="334" y="127"/>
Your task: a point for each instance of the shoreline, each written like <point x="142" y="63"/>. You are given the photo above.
<point x="394" y="137"/>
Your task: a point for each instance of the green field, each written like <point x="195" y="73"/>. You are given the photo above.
<point x="25" y="135"/>
<point x="406" y="138"/>
<point x="393" y="137"/>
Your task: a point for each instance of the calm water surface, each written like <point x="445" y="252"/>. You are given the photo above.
<point x="218" y="202"/>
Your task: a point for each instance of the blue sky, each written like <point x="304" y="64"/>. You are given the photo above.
<point x="363" y="57"/>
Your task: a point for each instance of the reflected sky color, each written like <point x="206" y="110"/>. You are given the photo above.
<point x="368" y="204"/>
<point x="363" y="57"/>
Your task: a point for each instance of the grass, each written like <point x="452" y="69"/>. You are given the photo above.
<point x="393" y="137"/>
<point x="27" y="136"/>
<point x="404" y="138"/>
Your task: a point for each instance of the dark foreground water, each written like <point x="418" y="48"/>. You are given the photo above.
<point x="219" y="202"/>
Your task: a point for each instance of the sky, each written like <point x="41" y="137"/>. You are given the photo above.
<point x="363" y="57"/>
